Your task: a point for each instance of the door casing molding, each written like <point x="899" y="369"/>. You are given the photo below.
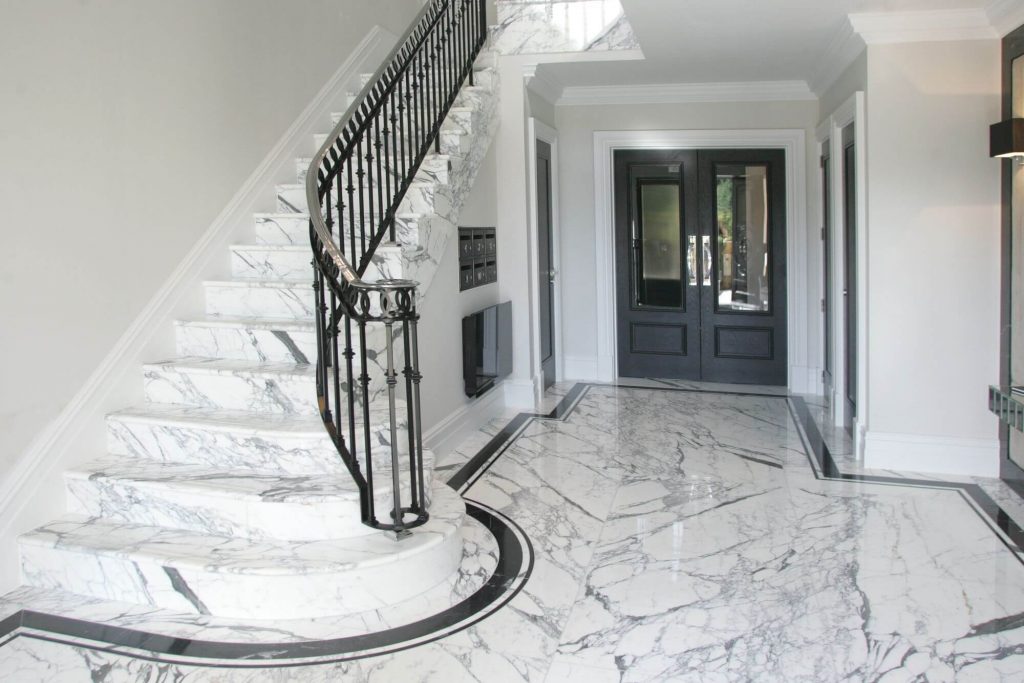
<point x="850" y="112"/>
<point x="538" y="130"/>
<point x="801" y="378"/>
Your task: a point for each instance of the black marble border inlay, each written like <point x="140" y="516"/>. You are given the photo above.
<point x="824" y="467"/>
<point x="507" y="580"/>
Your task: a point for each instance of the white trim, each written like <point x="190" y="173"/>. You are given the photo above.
<point x="790" y="140"/>
<point x="581" y="368"/>
<point x="841" y="52"/>
<point x="538" y="130"/>
<point x="934" y="454"/>
<point x="447" y="434"/>
<point x="1005" y="15"/>
<point x="521" y="393"/>
<point x="677" y="93"/>
<point x="36" y="476"/>
<point x="878" y="28"/>
<point x="852" y="111"/>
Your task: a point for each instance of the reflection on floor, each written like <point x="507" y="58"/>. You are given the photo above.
<point x="685" y="533"/>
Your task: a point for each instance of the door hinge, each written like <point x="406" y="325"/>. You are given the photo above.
<point x="823" y="234"/>
<point x="822" y="305"/>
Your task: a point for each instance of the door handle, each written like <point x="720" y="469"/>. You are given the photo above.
<point x="691" y="261"/>
<point x="705" y="242"/>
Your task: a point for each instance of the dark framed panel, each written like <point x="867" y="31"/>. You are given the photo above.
<point x="1009" y="471"/>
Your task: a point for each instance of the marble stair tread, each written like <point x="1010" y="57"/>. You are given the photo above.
<point x="242" y="577"/>
<point x="254" y="421"/>
<point x="239" y="503"/>
<point x="231" y="366"/>
<point x="280" y="443"/>
<point x="217" y="481"/>
<point x="249" y="322"/>
<point x="180" y="549"/>
<point x="274" y="387"/>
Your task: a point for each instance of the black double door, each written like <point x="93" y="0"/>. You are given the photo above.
<point x="701" y="265"/>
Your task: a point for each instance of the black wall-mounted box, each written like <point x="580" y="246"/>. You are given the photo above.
<point x="478" y="257"/>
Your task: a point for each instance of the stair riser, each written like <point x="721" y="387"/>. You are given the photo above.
<point x="205" y="513"/>
<point x="267" y="392"/>
<point x="296" y="232"/>
<point x="262" y="345"/>
<point x="433" y="168"/>
<point x="280" y="453"/>
<point x="482" y="79"/>
<point x="282" y="230"/>
<point x="418" y="199"/>
<point x="451" y="142"/>
<point x="293" y="303"/>
<point x="224" y="594"/>
<point x="294" y="265"/>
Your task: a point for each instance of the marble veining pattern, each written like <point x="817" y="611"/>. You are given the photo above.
<point x="683" y="535"/>
<point x="551" y="26"/>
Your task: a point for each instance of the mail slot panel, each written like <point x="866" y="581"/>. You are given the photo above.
<point x="478" y="262"/>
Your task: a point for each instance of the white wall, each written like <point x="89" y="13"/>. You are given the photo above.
<point x="853" y="78"/>
<point x="576" y="126"/>
<point x="444" y="307"/>
<point x="126" y="127"/>
<point x="933" y="255"/>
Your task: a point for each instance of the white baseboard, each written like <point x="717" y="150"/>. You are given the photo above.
<point x="932" y="454"/>
<point x="581" y="368"/>
<point x="804" y="380"/>
<point x="519" y="393"/>
<point x="447" y="434"/>
<point x="32" y="491"/>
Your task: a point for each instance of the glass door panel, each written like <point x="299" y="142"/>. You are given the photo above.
<point x="659" y="261"/>
<point x="742" y="277"/>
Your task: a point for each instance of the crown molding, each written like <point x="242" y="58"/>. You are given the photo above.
<point x="844" y="47"/>
<point x="877" y="28"/>
<point x="544" y="84"/>
<point x="1005" y="15"/>
<point x="681" y="93"/>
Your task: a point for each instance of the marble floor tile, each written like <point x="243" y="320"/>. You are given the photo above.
<point x="677" y="532"/>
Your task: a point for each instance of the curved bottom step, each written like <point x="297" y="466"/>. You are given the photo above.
<point x="233" y="577"/>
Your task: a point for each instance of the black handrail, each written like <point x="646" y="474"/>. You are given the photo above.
<point x="354" y="187"/>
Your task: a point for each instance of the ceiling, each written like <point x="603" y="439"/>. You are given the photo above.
<point x="711" y="41"/>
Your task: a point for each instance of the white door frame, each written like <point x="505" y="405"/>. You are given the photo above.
<point x="538" y="130"/>
<point x="801" y="378"/>
<point x="850" y="112"/>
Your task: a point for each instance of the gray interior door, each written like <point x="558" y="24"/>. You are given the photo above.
<point x="656" y="264"/>
<point x="545" y="264"/>
<point x="826" y="260"/>
<point x="850" y="274"/>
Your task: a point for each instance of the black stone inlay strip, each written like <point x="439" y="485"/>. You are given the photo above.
<point x="488" y="455"/>
<point x="1012" y="535"/>
<point x="515" y="564"/>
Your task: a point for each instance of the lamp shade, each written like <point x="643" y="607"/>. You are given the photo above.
<point x="1006" y="138"/>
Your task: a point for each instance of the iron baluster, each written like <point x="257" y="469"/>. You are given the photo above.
<point x="375" y="151"/>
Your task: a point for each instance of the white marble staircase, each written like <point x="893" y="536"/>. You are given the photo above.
<point x="222" y="494"/>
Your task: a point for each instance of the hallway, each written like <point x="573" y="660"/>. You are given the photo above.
<point x="679" y="532"/>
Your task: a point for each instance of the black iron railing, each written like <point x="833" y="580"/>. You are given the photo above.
<point x="354" y="188"/>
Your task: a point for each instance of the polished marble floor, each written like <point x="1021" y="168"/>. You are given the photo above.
<point x="684" y="532"/>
